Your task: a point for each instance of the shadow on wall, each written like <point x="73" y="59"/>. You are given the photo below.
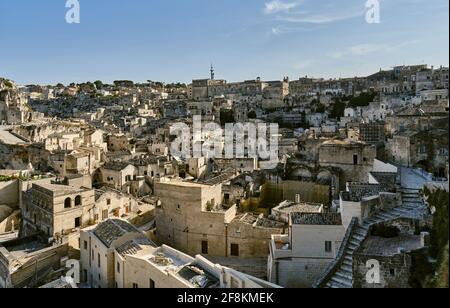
<point x="9" y="194"/>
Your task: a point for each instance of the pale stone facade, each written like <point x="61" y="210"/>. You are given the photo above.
<point x="191" y="218"/>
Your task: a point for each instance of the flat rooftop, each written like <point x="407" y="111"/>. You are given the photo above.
<point x="19" y="248"/>
<point x="60" y="188"/>
<point x="304" y="207"/>
<point x="182" y="266"/>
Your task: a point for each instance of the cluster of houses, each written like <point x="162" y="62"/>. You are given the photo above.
<point x="92" y="179"/>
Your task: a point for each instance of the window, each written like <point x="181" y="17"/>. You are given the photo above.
<point x="152" y="284"/>
<point x="234" y="250"/>
<point x="105" y="214"/>
<point x="392" y="272"/>
<point x="205" y="247"/>
<point x="67" y="203"/>
<point x="328" y="247"/>
<point x="77" y="200"/>
<point x="118" y="267"/>
<point x="135" y="286"/>
<point x="355" y="160"/>
<point x="98" y="260"/>
<point x="108" y="201"/>
<point x="85" y="245"/>
<point x="423" y="149"/>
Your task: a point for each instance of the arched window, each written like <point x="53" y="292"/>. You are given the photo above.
<point x="77" y="200"/>
<point x="67" y="203"/>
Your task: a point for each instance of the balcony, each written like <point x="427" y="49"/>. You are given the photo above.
<point x="280" y="247"/>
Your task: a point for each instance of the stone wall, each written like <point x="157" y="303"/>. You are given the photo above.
<point x="394" y="271"/>
<point x="273" y="193"/>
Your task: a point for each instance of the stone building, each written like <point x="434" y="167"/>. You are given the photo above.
<point x="426" y="149"/>
<point x="165" y="267"/>
<point x="372" y="133"/>
<point x="355" y="159"/>
<point x="98" y="245"/>
<point x="29" y="261"/>
<point x="296" y="260"/>
<point x="393" y="247"/>
<point x="14" y="107"/>
<point x="191" y="218"/>
<point x="118" y="142"/>
<point x="114" y="254"/>
<point x="118" y="175"/>
<point x="56" y="209"/>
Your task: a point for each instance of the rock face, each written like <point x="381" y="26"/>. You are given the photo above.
<point x="14" y="107"/>
<point x="6" y="84"/>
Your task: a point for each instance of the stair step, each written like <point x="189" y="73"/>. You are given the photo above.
<point x="356" y="242"/>
<point x="344" y="276"/>
<point x="347" y="268"/>
<point x="347" y="263"/>
<point x="352" y="247"/>
<point x="344" y="283"/>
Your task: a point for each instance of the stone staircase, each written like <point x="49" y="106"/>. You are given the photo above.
<point x="412" y="207"/>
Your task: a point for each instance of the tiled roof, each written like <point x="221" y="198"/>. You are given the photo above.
<point x="317" y="219"/>
<point x="134" y="246"/>
<point x="110" y="230"/>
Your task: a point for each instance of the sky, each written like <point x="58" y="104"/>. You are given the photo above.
<point x="177" y="40"/>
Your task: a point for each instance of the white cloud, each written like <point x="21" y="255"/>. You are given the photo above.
<point x="319" y="18"/>
<point x="369" y="48"/>
<point x="278" y="6"/>
<point x="314" y="12"/>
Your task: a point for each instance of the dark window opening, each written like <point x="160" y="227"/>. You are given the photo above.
<point x="205" y="247"/>
<point x="77" y="200"/>
<point x="234" y="250"/>
<point x="67" y="203"/>
<point x="328" y="247"/>
<point x="77" y="222"/>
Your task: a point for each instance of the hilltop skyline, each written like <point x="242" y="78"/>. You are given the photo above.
<point x="208" y="77"/>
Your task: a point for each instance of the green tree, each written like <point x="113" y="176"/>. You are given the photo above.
<point x="338" y="109"/>
<point x="362" y="100"/>
<point x="98" y="84"/>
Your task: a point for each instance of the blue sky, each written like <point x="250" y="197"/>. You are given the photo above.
<point x="176" y="40"/>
